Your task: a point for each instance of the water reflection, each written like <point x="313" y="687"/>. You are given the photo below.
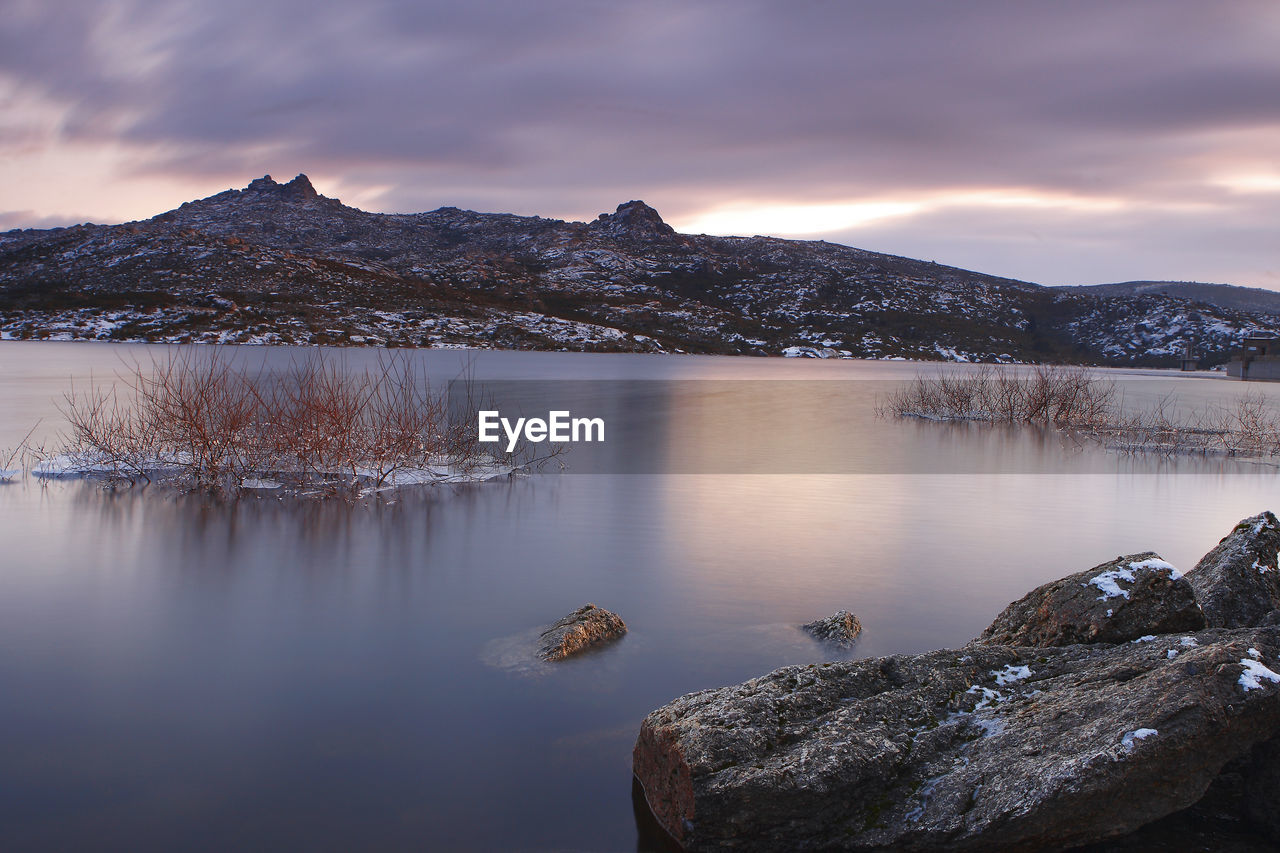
<point x="183" y="672"/>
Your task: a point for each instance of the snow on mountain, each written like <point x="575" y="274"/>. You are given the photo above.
<point x="280" y="263"/>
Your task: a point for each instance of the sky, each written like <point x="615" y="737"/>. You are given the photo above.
<point x="1061" y="143"/>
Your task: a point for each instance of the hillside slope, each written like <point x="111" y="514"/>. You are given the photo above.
<point x="1229" y="296"/>
<point x="280" y="263"/>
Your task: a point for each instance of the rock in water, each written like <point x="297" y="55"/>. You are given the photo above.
<point x="988" y="748"/>
<point x="1237" y="583"/>
<point x="839" y="629"/>
<point x="582" y="629"/>
<point x="1127" y="598"/>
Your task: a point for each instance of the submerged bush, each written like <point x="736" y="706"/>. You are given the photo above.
<point x="1077" y="399"/>
<point x="1057" y="396"/>
<point x="200" y="420"/>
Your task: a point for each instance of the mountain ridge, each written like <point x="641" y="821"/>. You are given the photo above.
<point x="281" y="263"/>
<point x="1255" y="299"/>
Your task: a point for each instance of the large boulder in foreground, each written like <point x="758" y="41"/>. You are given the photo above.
<point x="987" y="748"/>
<point x="1260" y="797"/>
<point x="1248" y="791"/>
<point x="1127" y="598"/>
<point x="1237" y="583"/>
<point x="587" y="627"/>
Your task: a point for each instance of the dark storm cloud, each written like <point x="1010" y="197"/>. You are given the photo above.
<point x="568" y="107"/>
<point x="462" y="83"/>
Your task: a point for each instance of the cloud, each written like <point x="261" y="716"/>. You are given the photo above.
<point x="1065" y="246"/>
<point x="567" y="107"/>
<point x="10" y="219"/>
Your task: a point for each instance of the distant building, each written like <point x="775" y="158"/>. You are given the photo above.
<point x="1260" y="359"/>
<point x="1188" y="359"/>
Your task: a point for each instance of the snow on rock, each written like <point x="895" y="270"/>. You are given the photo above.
<point x="1011" y="674"/>
<point x="1156" y="565"/>
<point x="1130" y="739"/>
<point x="854" y="755"/>
<point x="1142" y="595"/>
<point x="1254" y="674"/>
<point x="988" y="697"/>
<point x="1229" y="582"/>
<point x="1107" y="582"/>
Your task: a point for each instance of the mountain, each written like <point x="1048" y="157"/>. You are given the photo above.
<point x="1251" y="299"/>
<point x="280" y="263"/>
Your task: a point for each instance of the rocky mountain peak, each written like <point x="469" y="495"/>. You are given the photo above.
<point x="625" y="281"/>
<point x="300" y="187"/>
<point x="634" y="218"/>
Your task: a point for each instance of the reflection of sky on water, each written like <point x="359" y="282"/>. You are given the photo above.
<point x="181" y="672"/>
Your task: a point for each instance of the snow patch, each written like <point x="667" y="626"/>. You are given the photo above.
<point x="1106" y="583"/>
<point x="1011" y="674"/>
<point x="990" y="726"/>
<point x="1130" y="739"/>
<point x="259" y="483"/>
<point x="1254" y="673"/>
<point x="989" y="697"/>
<point x="815" y="352"/>
<point x="1155" y="564"/>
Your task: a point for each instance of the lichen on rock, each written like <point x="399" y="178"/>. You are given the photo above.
<point x="1124" y="599"/>
<point x="584" y="628"/>
<point x="840" y="629"/>
<point x="1091" y="708"/>
<point x="1237" y="583"/>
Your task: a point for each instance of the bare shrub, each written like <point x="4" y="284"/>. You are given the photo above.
<point x="200" y="420"/>
<point x="19" y="454"/>
<point x="1075" y="399"/>
<point x="1058" y="396"/>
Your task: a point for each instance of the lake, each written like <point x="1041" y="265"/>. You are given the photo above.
<point x="179" y="672"/>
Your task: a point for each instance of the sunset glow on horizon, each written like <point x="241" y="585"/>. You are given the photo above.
<point x="1062" y="145"/>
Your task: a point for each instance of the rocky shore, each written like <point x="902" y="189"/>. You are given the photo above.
<point x="1093" y="706"/>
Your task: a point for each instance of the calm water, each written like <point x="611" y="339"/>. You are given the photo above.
<point x="177" y="673"/>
